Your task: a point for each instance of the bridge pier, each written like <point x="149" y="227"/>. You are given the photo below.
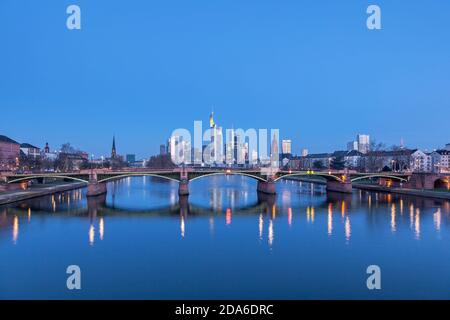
<point x="268" y="199"/>
<point x="96" y="189"/>
<point x="183" y="188"/>
<point x="184" y="205"/>
<point x="338" y="186"/>
<point x="267" y="187"/>
<point x="95" y="203"/>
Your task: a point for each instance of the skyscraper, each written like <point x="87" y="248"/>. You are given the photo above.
<point x="274" y="156"/>
<point x="179" y="150"/>
<point x="236" y="147"/>
<point x="352" y="145"/>
<point x="253" y="157"/>
<point x="286" y="146"/>
<point x="245" y="153"/>
<point x="162" y="149"/>
<point x="216" y="140"/>
<point x="130" y="158"/>
<point x="363" y="143"/>
<point x="229" y="152"/>
<point x="211" y="120"/>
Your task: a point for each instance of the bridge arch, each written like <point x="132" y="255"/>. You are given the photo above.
<point x="129" y="175"/>
<point x="442" y="183"/>
<point x="327" y="176"/>
<point x="47" y="176"/>
<point x="229" y="173"/>
<point x="379" y="176"/>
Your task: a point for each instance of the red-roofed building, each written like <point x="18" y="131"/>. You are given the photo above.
<point x="9" y="153"/>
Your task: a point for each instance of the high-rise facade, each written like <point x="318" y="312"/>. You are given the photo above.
<point x="286" y="146"/>
<point x="130" y="158"/>
<point x="363" y="143"/>
<point x="162" y="149"/>
<point x="229" y="148"/>
<point x="352" y="145"/>
<point x="172" y="145"/>
<point x="216" y="141"/>
<point x="179" y="150"/>
<point x="274" y="155"/>
<point x="253" y="157"/>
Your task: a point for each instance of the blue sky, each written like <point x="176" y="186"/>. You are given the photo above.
<point x="143" y="68"/>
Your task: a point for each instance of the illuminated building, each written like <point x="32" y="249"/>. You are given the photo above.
<point x="9" y="153"/>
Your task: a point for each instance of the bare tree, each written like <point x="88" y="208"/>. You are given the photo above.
<point x="67" y="148"/>
<point x="373" y="160"/>
<point x="160" y="162"/>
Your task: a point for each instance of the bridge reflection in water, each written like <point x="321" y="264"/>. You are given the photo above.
<point x="225" y="241"/>
<point x="225" y="204"/>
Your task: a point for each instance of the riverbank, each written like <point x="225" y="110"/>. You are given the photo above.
<point x="411" y="192"/>
<point x="37" y="191"/>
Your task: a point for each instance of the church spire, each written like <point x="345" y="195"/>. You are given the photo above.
<point x="113" y="150"/>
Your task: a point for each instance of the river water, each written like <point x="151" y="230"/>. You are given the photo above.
<point x="141" y="242"/>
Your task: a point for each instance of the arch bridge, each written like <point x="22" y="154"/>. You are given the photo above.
<point x="340" y="181"/>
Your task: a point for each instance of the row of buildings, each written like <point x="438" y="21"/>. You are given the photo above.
<point x="358" y="155"/>
<point x="403" y="159"/>
<point x="14" y="154"/>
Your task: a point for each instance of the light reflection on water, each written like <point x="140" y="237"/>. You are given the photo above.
<point x="228" y="239"/>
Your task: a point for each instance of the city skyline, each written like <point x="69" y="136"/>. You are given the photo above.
<point x="296" y="149"/>
<point x="218" y="159"/>
<point x="310" y="72"/>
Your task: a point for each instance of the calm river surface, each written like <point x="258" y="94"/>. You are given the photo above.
<point x="141" y="243"/>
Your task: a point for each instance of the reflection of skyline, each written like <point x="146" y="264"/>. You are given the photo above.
<point x="227" y="197"/>
<point x="393" y="213"/>
<point x="182" y="226"/>
<point x="270" y="235"/>
<point x="348" y="229"/>
<point x="101" y="228"/>
<point x="289" y="204"/>
<point x="437" y="219"/>
<point x="15" y="233"/>
<point x="417" y="224"/>
<point x="330" y="219"/>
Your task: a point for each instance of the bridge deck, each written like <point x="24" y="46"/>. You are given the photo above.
<point x="192" y="174"/>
